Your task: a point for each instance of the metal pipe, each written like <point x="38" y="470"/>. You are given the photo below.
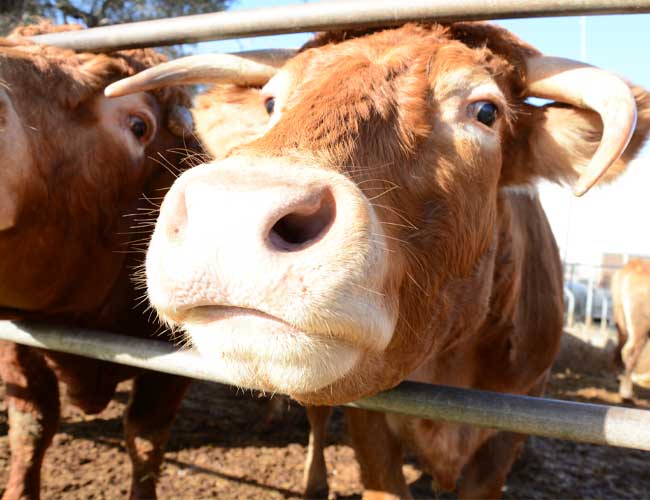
<point x="590" y="299"/>
<point x="589" y="423"/>
<point x="321" y="16"/>
<point x="571" y="306"/>
<point x="603" y="315"/>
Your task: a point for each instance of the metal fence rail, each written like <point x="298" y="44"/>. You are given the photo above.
<point x="590" y="423"/>
<point x="322" y="16"/>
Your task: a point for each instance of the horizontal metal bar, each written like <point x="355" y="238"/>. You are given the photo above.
<point x="599" y="424"/>
<point x="322" y="16"/>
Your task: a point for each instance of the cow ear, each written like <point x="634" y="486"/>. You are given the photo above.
<point x="556" y="142"/>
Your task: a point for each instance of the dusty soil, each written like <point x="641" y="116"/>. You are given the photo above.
<point x="219" y="449"/>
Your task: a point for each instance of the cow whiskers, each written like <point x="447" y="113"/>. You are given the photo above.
<point x="415" y="282"/>
<point x="369" y="290"/>
<point x="397" y="213"/>
<point x="163" y="162"/>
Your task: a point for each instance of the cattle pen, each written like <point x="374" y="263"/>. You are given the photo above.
<point x="599" y="424"/>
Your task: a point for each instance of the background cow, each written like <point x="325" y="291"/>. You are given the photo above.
<point x="631" y="303"/>
<point x="227" y="116"/>
<point x="385" y="226"/>
<point x="76" y="168"/>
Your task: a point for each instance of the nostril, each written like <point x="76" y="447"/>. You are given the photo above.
<point x="305" y="224"/>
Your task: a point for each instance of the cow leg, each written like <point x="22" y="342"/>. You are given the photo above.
<point x="630" y="354"/>
<point x="379" y="454"/>
<point x="617" y="354"/>
<point x="275" y="410"/>
<point x="155" y="399"/>
<point x="314" y="478"/>
<point x="33" y="411"/>
<point x="487" y="471"/>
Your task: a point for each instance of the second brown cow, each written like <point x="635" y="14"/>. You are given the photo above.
<point x="76" y="167"/>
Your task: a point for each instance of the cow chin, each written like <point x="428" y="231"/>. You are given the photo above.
<point x="259" y="351"/>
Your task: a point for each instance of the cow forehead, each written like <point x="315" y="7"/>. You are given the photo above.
<point x="393" y="50"/>
<point x="381" y="66"/>
<point x="359" y="87"/>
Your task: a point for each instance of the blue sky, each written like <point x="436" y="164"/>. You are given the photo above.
<point x="601" y="221"/>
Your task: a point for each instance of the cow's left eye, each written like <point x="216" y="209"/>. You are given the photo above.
<point x="269" y="104"/>
<point x="138" y="127"/>
<point x="485" y="112"/>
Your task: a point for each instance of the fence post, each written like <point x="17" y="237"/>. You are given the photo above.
<point x="590" y="299"/>
<point x="571" y="306"/>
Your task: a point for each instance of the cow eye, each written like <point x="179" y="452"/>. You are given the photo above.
<point x="485" y="112"/>
<point x="138" y="127"/>
<point x="269" y="104"/>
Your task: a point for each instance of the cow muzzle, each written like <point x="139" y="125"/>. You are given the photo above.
<point x="277" y="270"/>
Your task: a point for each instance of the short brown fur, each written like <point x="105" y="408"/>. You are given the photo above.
<point x="474" y="264"/>
<point x="73" y="246"/>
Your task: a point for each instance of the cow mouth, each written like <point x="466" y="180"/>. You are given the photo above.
<point x="238" y="317"/>
<point x="255" y="349"/>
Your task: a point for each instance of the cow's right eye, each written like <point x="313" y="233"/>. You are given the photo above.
<point x="269" y="104"/>
<point x="485" y="112"/>
<point x="138" y="126"/>
<point x="142" y="127"/>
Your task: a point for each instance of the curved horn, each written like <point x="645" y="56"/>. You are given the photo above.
<point x="252" y="68"/>
<point x="272" y="57"/>
<point x="585" y="86"/>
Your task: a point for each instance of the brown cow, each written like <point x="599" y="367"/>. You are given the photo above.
<point x="385" y="226"/>
<point x="227" y="116"/>
<point x="631" y="303"/>
<point x="75" y="166"/>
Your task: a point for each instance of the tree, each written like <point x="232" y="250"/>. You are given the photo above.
<point x="91" y="13"/>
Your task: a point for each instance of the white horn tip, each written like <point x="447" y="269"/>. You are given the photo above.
<point x="113" y="90"/>
<point x="581" y="188"/>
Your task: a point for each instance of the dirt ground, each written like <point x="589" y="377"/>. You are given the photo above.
<point x="218" y="449"/>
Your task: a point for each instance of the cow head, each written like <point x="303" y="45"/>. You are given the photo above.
<point x="227" y="116"/>
<point x="74" y="165"/>
<point x="356" y="236"/>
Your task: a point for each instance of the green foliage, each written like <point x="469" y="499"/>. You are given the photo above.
<point x="91" y="13"/>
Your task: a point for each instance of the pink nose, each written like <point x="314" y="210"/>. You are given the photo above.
<point x="275" y="213"/>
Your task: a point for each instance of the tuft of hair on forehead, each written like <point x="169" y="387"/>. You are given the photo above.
<point x="407" y="30"/>
<point x="74" y="77"/>
<point x="327" y="37"/>
<point x="42" y="27"/>
<point x="474" y="34"/>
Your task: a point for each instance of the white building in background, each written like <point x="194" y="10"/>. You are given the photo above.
<point x="612" y="219"/>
